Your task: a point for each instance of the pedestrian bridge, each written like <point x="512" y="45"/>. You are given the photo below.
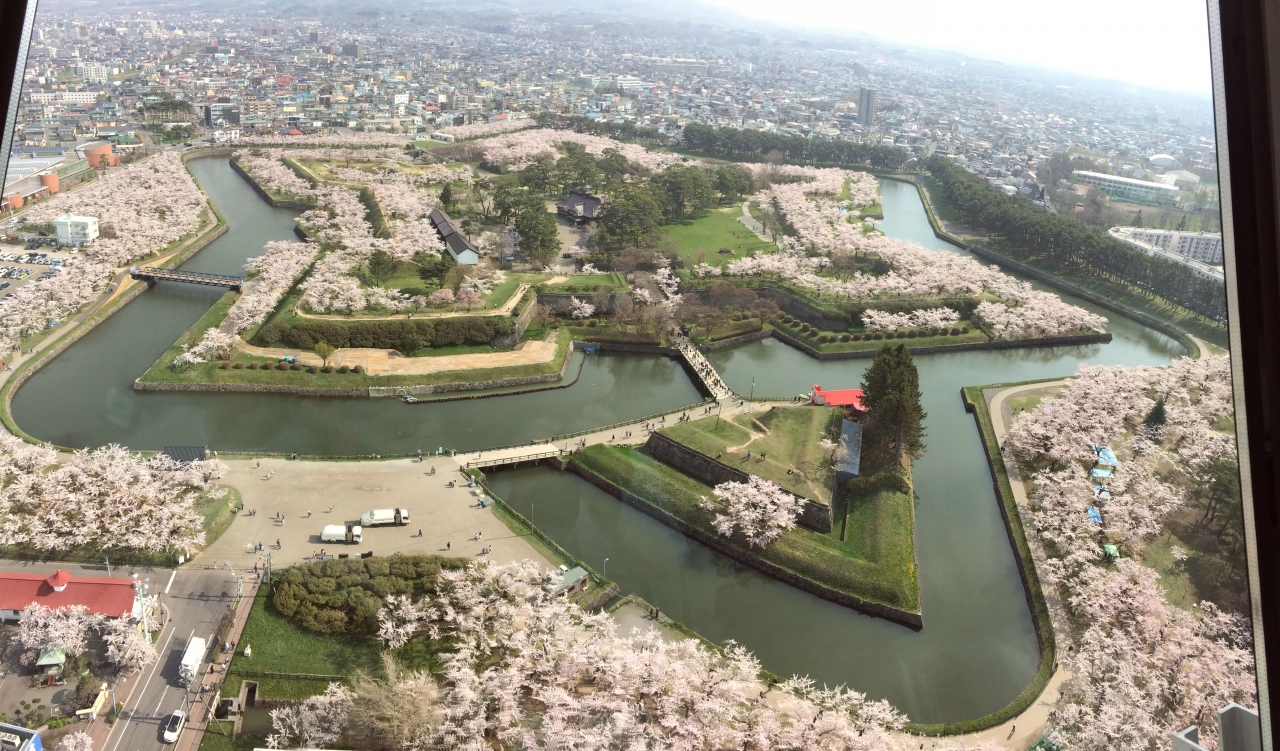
<point x="153" y="274"/>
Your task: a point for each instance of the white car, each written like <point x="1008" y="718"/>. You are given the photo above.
<point x="173" y="726"/>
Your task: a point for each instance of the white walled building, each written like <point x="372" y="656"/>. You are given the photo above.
<point x="76" y="230"/>
<point x="1127" y="188"/>
<point x="1124" y="234"/>
<point x="1198" y="246"/>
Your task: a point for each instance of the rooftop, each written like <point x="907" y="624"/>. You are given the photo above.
<point x="111" y="597"/>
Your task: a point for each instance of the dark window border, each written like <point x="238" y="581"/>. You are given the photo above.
<point x="1245" y="36"/>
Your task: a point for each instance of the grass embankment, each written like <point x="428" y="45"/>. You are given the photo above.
<point x="786" y="436"/>
<point x="1039" y="609"/>
<point x="886" y="574"/>
<point x="213" y="373"/>
<point x="281" y="646"/>
<point x="700" y="240"/>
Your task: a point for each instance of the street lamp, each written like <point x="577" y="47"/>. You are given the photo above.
<point x="606" y="569"/>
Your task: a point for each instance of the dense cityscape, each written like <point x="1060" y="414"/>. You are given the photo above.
<point x="412" y="378"/>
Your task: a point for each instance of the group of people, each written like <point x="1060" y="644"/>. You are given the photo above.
<point x="704" y="370"/>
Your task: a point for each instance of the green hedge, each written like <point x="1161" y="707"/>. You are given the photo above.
<point x="403" y="336"/>
<point x="343" y="596"/>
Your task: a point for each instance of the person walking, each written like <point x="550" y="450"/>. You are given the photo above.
<point x="448" y="546"/>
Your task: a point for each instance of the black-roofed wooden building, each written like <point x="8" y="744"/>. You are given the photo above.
<point x="459" y="247"/>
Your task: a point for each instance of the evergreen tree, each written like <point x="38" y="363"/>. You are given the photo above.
<point x="1156" y="418"/>
<point x="891" y="394"/>
<point x="631" y="217"/>
<point x="446" y="197"/>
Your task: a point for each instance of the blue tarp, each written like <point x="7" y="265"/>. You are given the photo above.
<point x="1097" y="472"/>
<point x="1106" y="455"/>
<point x="1095" y="515"/>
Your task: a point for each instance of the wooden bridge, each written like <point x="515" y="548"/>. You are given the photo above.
<point x="153" y="274"/>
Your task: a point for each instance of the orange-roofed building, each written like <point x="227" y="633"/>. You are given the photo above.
<point x="850" y="399"/>
<point x="101" y="595"/>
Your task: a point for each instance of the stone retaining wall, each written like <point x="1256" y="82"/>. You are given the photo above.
<point x="562" y="302"/>
<point x="754" y="336"/>
<point x="911" y="620"/>
<point x="1049" y="341"/>
<point x="815" y="516"/>
<point x="522" y="323"/>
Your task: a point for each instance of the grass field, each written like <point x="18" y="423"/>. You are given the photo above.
<point x="279" y="646"/>
<point x="788" y="437"/>
<point x="885" y="527"/>
<point x="698" y="240"/>
<point x="583" y="284"/>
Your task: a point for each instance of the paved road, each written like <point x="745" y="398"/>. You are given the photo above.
<point x="197" y="602"/>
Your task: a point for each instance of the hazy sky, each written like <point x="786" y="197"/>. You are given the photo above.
<point x="1156" y="43"/>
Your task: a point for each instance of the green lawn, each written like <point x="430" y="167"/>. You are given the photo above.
<point x="610" y="332"/>
<point x="698" y="240"/>
<point x="218" y="512"/>
<point x="884" y="525"/>
<point x="279" y="646"/>
<point x="588" y="283"/>
<point x="788" y="436"/>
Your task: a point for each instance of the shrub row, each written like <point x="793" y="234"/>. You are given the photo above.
<point x="282" y="365"/>
<point x="403" y="336"/>
<point x="343" y="596"/>
<point x="813" y="331"/>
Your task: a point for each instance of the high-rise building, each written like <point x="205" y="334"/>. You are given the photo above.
<point x="867" y="100"/>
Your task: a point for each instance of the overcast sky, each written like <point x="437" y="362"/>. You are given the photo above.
<point x="1161" y="44"/>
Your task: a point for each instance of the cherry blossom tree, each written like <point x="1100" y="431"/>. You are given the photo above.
<point x="757" y="509"/>
<point x="443" y="296"/>
<point x="77" y="741"/>
<point x="1141" y="667"/>
<point x="581" y="309"/>
<point x="68" y="627"/>
<point x="401" y="618"/>
<point x="106" y="497"/>
<point x="531" y="670"/>
<point x="127" y="645"/>
<point x="317" y="722"/>
<point x="214" y="345"/>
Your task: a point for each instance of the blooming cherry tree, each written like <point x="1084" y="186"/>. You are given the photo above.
<point x="315" y="723"/>
<point x="77" y="741"/>
<point x="127" y="646"/>
<point x="757" y="509"/>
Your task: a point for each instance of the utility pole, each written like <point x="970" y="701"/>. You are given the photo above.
<point x="108" y="560"/>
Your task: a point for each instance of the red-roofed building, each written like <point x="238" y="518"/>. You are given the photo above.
<point x="850" y="399"/>
<point x="110" y="597"/>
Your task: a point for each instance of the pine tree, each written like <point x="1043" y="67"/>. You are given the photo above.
<point x="1156" y="418"/>
<point x="891" y="393"/>
<point x="446" y="197"/>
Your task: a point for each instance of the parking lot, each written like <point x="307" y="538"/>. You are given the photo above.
<point x="24" y="261"/>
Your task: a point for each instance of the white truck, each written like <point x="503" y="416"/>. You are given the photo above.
<point x="382" y="517"/>
<point x="348" y="533"/>
<point x="192" y="656"/>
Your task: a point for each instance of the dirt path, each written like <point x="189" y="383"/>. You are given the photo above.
<point x="391" y="362"/>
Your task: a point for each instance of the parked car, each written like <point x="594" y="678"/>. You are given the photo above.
<point x="42" y="233"/>
<point x="173" y="726"/>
